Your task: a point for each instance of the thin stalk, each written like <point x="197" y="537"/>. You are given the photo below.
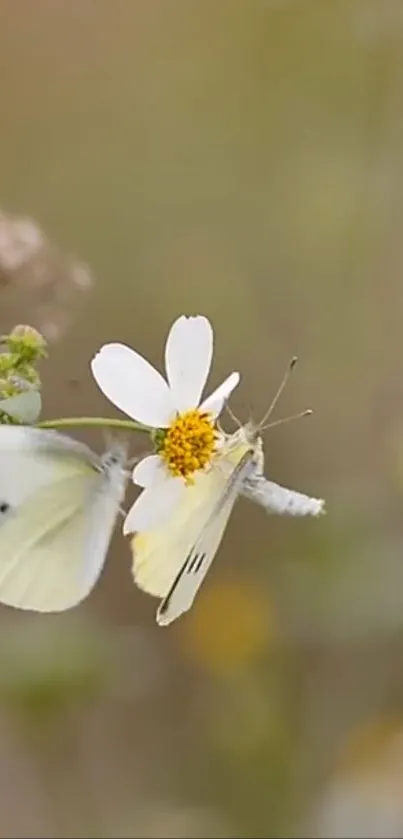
<point x="93" y="422"/>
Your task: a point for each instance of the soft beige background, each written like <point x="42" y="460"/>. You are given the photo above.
<point x="241" y="159"/>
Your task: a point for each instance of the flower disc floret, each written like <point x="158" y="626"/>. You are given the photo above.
<point x="189" y="444"/>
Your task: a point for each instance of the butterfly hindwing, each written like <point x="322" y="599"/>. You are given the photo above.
<point x="62" y="507"/>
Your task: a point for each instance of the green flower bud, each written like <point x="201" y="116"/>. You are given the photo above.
<point x="27" y="343"/>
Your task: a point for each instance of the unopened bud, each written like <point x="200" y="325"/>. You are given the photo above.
<point x="27" y="341"/>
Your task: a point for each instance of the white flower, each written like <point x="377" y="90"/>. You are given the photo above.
<point x="137" y="389"/>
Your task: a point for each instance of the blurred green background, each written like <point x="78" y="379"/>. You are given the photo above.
<point x="241" y="159"/>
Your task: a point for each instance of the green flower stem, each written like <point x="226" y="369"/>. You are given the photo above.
<point x="94" y="422"/>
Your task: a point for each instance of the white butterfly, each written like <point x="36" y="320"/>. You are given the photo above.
<point x="172" y="560"/>
<point x="58" y="506"/>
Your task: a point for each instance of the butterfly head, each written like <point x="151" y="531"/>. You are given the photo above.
<point x="249" y="436"/>
<point x="252" y="431"/>
<point x="246" y="440"/>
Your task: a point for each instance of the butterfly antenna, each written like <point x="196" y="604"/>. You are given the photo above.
<point x="306" y="413"/>
<point x="278" y="393"/>
<point x="232" y="415"/>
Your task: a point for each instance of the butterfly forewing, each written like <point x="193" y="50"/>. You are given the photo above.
<point x="159" y="554"/>
<point x="201" y="554"/>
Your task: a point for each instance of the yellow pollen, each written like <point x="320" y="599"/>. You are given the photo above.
<point x="189" y="444"/>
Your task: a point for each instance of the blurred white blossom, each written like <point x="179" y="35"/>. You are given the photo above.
<point x="365" y="799"/>
<point x="37" y="280"/>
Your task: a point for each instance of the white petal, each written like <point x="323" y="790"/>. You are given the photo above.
<point x="148" y="471"/>
<point x="188" y="355"/>
<point x="215" y="402"/>
<point x="154" y="505"/>
<point x="133" y="385"/>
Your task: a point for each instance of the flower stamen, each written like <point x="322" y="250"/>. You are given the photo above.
<point x="189" y="444"/>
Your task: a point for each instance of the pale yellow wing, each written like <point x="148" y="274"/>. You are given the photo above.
<point x="159" y="555"/>
<point x="200" y="556"/>
<point x="43" y="547"/>
<point x="58" y="506"/>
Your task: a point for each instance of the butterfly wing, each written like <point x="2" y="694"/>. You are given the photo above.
<point x="201" y="554"/>
<point x="159" y="555"/>
<point x="62" y="507"/>
<point x="31" y="458"/>
<point x="278" y="499"/>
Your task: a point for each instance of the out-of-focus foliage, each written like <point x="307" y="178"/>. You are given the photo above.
<point x="20" y="383"/>
<point x="241" y="159"/>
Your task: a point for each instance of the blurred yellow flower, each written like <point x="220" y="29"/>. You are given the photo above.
<point x="233" y="624"/>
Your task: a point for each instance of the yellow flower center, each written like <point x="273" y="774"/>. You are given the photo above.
<point x="189" y="444"/>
